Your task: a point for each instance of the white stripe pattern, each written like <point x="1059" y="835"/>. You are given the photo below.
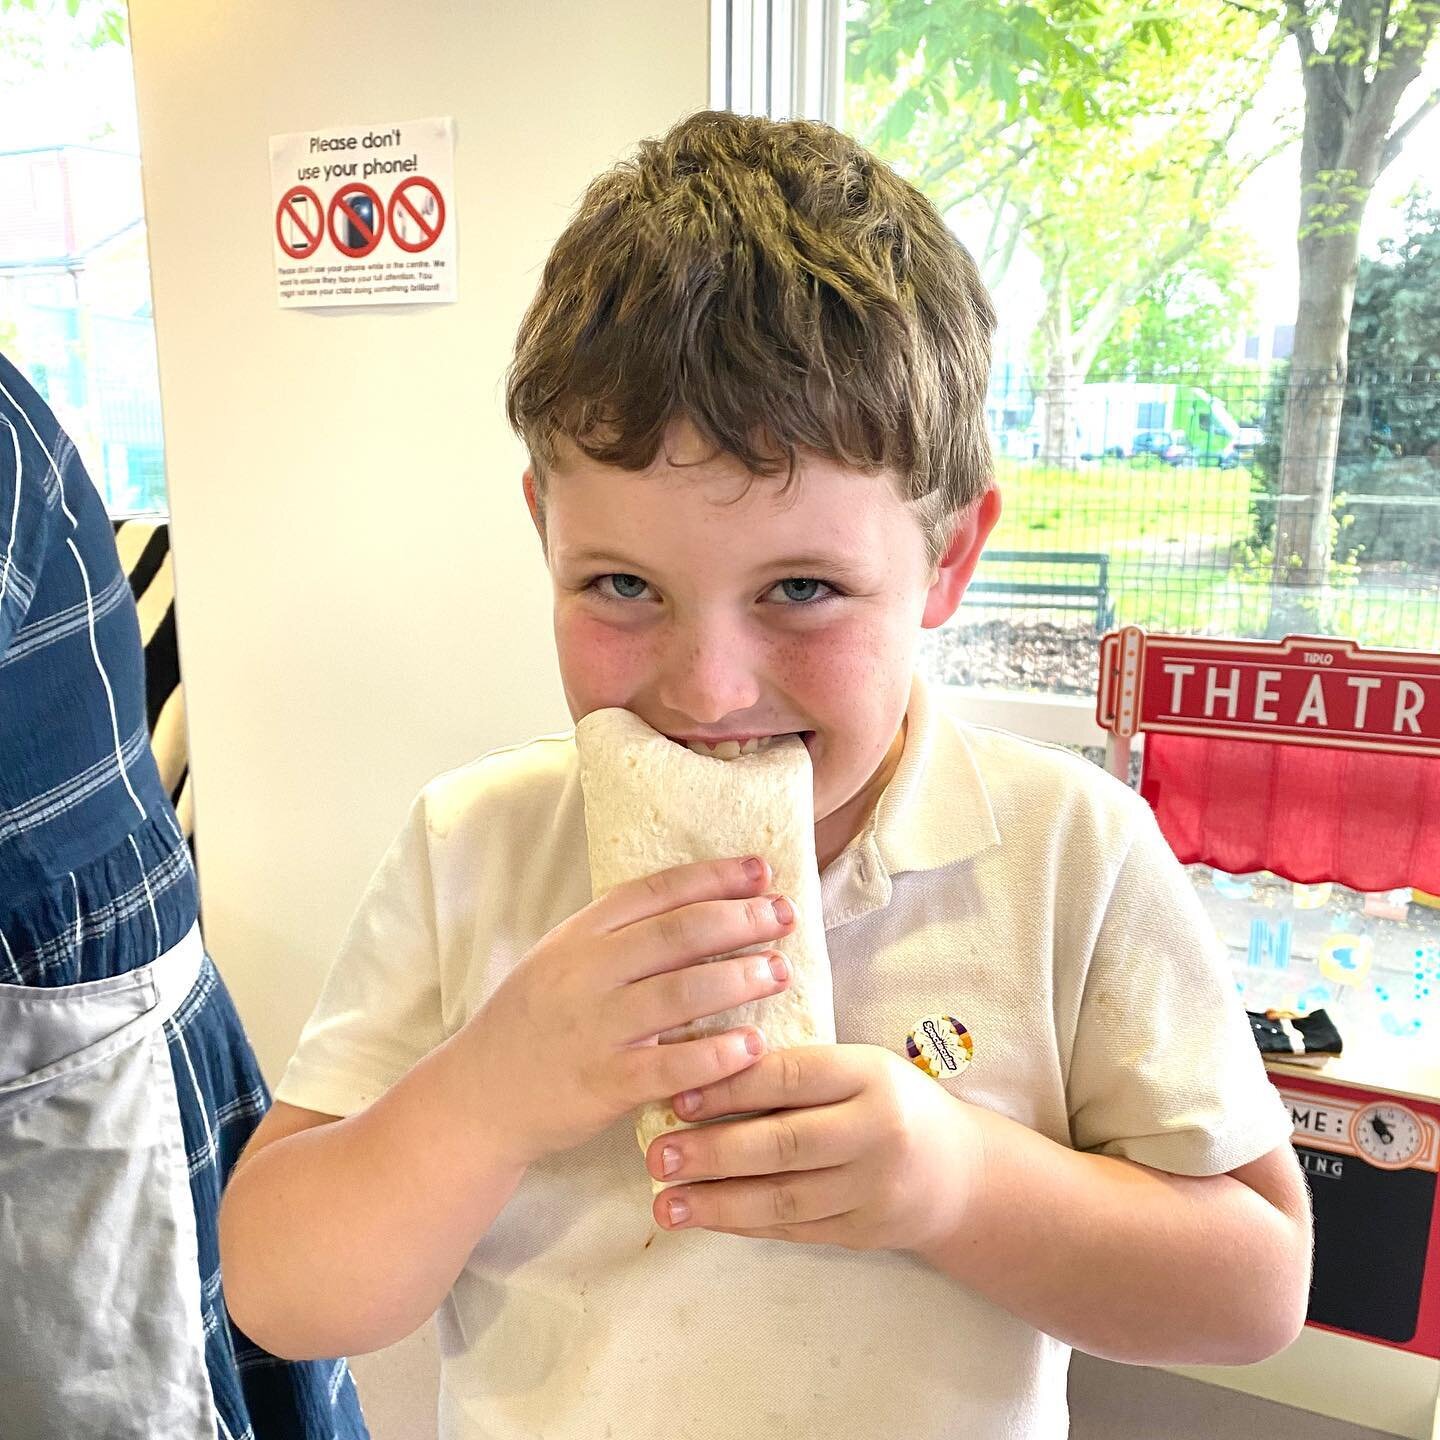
<point x="149" y="894"/>
<point x="15" y="512"/>
<point x="75" y="890"/>
<point x="10" y="956"/>
<point x="55" y="469"/>
<point x="68" y="793"/>
<point x="105" y="679"/>
<point x="39" y="633"/>
<point x="102" y="920"/>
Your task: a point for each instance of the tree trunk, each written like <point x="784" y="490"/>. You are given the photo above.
<point x="1058" y="443"/>
<point x="1061" y="394"/>
<point x="1351" y="96"/>
<point x="1314" y="398"/>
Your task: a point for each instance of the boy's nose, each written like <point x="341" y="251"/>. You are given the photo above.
<point x="707" y="677"/>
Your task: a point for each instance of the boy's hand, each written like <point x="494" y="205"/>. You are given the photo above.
<point x="568" y="1043"/>
<point x="860" y="1149"/>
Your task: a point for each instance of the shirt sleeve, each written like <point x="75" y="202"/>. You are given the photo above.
<point x="1164" y="1069"/>
<point x="380" y="1011"/>
<point x="33" y="452"/>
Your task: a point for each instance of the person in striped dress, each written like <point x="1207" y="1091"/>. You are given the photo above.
<point x="127" y="1084"/>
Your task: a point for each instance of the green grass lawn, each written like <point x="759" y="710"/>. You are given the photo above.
<point x="1120" y="506"/>
<point x="1176" y="538"/>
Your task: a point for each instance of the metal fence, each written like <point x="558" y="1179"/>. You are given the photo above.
<point x="1170" y="501"/>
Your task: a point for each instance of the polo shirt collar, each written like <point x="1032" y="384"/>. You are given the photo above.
<point x="934" y="812"/>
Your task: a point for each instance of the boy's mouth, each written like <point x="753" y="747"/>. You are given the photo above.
<point x="732" y="749"/>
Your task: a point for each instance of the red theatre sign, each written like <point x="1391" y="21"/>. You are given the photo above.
<point x="1301" y="690"/>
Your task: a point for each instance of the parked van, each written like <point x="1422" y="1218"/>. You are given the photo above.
<point x="1176" y="422"/>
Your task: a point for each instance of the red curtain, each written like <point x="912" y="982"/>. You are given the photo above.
<point x="1367" y="820"/>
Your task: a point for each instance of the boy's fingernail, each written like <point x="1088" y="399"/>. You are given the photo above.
<point x="778" y="968"/>
<point x="688" y="1103"/>
<point x="678" y="1211"/>
<point x="754" y="869"/>
<point x="669" y="1160"/>
<point x="784" y="910"/>
<point x="755" y="1043"/>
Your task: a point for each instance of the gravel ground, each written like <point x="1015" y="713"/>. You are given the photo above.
<point x="1013" y="655"/>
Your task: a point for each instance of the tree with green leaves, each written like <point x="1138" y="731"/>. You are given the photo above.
<point x="99" y="22"/>
<point x="1390" y="424"/>
<point x="1192" y="318"/>
<point x="1389" y="433"/>
<point x="1084" y="131"/>
<point x="1359" y="60"/>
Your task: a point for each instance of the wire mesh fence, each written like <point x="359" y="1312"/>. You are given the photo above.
<point x="1205" y="503"/>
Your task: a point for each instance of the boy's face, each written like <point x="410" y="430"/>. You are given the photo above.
<point x="769" y="615"/>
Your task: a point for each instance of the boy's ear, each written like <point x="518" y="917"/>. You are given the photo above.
<point x="958" y="562"/>
<point x="532" y="503"/>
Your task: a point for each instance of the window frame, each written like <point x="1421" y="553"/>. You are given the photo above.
<point x="784" y="59"/>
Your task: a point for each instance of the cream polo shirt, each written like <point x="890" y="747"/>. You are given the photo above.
<point x="1010" y="885"/>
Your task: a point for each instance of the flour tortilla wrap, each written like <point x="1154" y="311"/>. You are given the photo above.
<point x="651" y="804"/>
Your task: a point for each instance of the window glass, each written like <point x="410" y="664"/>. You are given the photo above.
<point x="1174" y="448"/>
<point x="75" y="307"/>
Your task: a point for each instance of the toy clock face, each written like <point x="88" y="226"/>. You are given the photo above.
<point x="1387" y="1134"/>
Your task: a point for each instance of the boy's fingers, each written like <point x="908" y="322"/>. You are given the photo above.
<point x="682" y="885"/>
<point x="774" y="1202"/>
<point x="700" y="931"/>
<point x="784" y="1080"/>
<point x="808" y="1139"/>
<point x="652" y="1006"/>
<point x="654" y="1072"/>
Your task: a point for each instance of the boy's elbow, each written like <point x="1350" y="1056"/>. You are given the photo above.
<point x="1267" y="1335"/>
<point x="247" y="1297"/>
<point x="267" y="1331"/>
<point x="1273" y="1285"/>
<point x="241" y="1295"/>
<point x="1275" y="1317"/>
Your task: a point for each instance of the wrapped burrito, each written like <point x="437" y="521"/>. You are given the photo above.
<point x="651" y="803"/>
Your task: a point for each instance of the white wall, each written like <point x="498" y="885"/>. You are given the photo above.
<point x="361" y="599"/>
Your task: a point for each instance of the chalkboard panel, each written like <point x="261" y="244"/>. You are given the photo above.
<point x="1371" y="1231"/>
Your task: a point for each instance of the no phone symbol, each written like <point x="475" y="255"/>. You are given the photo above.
<point x="299" y="222"/>
<point x="417" y="214"/>
<point x="357" y="219"/>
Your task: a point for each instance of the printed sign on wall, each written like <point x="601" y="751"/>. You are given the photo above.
<point x="365" y="215"/>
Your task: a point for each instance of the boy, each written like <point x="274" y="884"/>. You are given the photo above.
<point x="751" y="385"/>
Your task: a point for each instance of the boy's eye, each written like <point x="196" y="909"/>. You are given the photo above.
<point x="804" y="591"/>
<point x="797" y="590"/>
<point x="625" y="587"/>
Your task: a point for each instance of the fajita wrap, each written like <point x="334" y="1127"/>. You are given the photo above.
<point x="652" y="803"/>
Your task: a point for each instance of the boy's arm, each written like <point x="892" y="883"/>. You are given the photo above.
<point x="863" y="1150"/>
<point x="339" y="1236"/>
<point x="1130" y="1263"/>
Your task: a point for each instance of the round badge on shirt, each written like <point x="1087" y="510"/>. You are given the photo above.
<point x="941" y="1046"/>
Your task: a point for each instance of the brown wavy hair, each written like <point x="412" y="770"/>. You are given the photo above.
<point x="778" y="287"/>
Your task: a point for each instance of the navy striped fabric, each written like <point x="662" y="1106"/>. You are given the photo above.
<point x="95" y="877"/>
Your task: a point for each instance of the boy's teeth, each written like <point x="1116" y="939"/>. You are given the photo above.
<point x="731" y="749"/>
